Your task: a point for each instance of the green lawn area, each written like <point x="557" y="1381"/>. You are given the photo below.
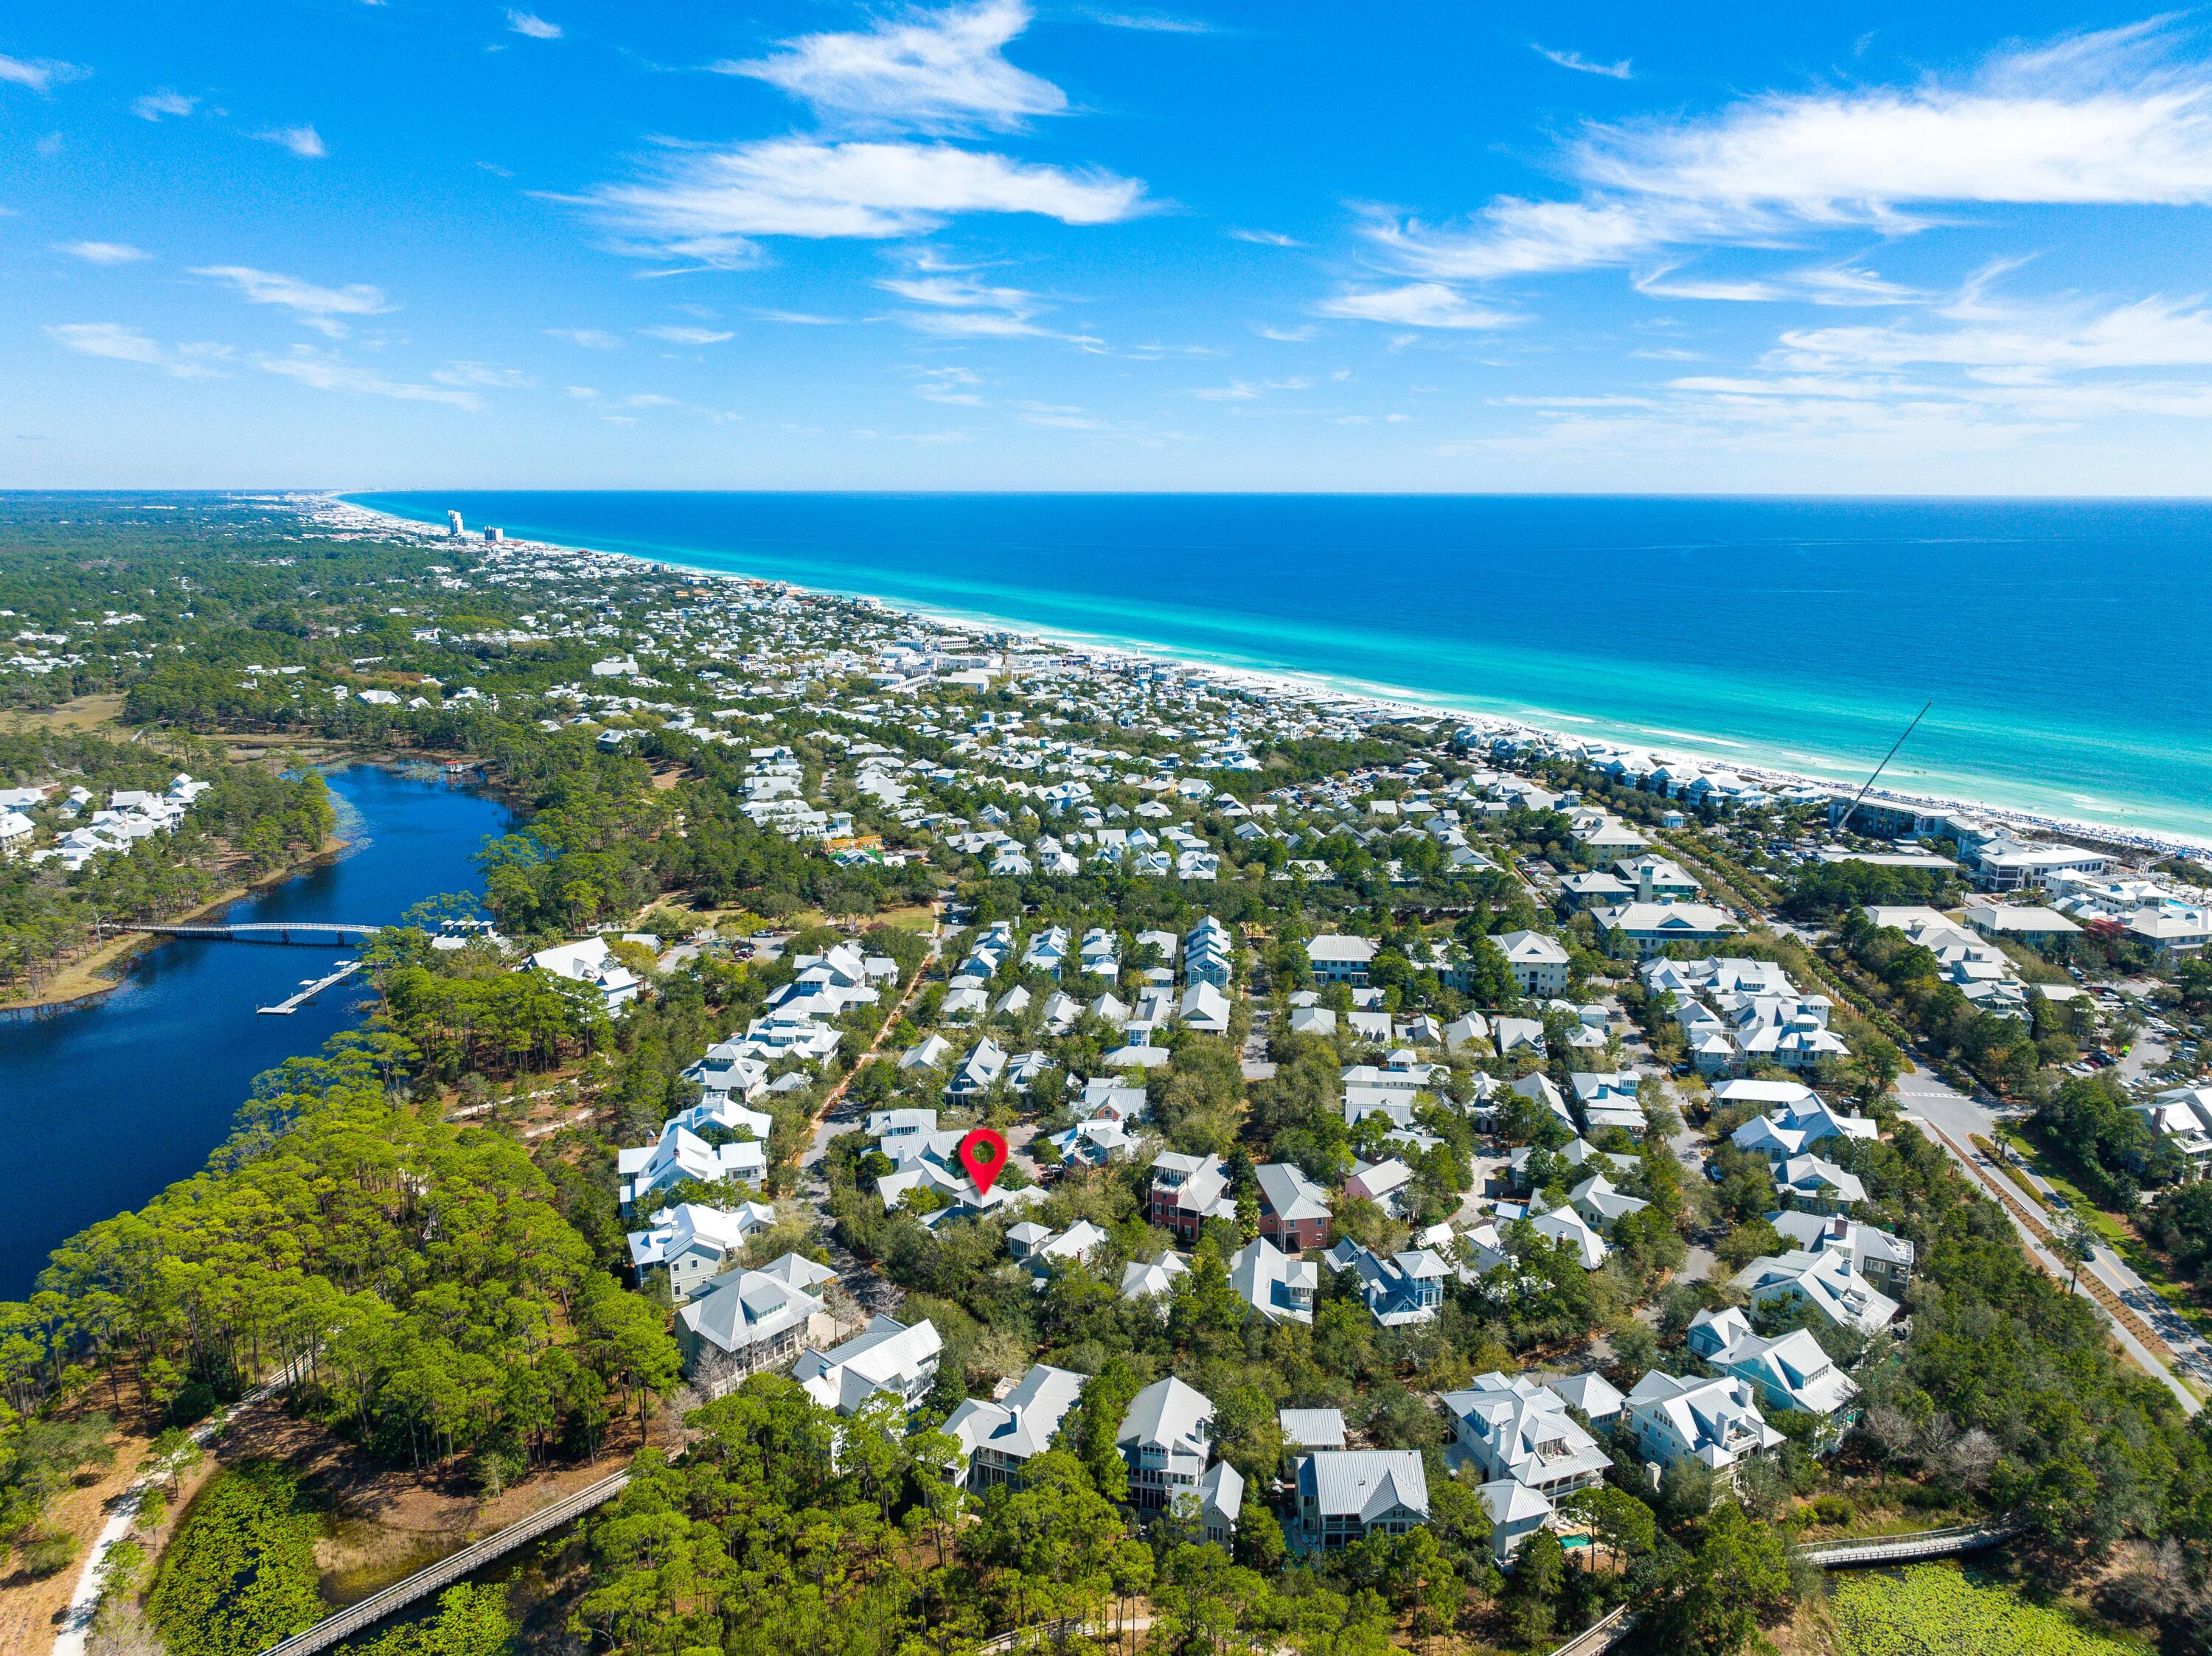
<point x="1938" y="1609"/>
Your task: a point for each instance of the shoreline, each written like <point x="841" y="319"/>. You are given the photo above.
<point x="118" y="952"/>
<point x="1346" y="693"/>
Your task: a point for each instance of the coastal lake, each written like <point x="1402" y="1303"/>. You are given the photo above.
<point x="105" y="1104"/>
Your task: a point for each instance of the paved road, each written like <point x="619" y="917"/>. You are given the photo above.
<point x="1978" y="1169"/>
<point x="1963" y="1118"/>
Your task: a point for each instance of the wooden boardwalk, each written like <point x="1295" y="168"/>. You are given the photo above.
<point x="359" y="1618"/>
<point x="1615" y="1624"/>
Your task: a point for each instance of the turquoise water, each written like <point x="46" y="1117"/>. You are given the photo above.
<point x="2062" y="642"/>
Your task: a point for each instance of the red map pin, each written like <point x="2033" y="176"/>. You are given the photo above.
<point x="983" y="1153"/>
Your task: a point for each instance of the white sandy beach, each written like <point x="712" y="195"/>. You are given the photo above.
<point x="1346" y="695"/>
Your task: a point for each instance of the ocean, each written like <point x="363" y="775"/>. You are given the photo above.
<point x="2062" y="643"/>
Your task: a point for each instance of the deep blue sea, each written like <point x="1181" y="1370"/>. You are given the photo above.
<point x="105" y="1104"/>
<point x="2064" y="644"/>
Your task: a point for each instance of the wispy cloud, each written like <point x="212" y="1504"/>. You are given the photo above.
<point x="955" y="307"/>
<point x="1576" y="60"/>
<point x="327" y="371"/>
<point x="302" y="140"/>
<point x="591" y="339"/>
<point x="943" y="71"/>
<point x="708" y="204"/>
<point x="1266" y="238"/>
<point x="689" y="336"/>
<point x="1416" y="305"/>
<point x="956" y="385"/>
<point x="121" y="344"/>
<point x="40" y="73"/>
<point x="1152" y="22"/>
<point x="319" y="307"/>
<point x="1284" y="335"/>
<point x="2104" y="118"/>
<point x="529" y="23"/>
<point x="490" y="374"/>
<point x="103" y="252"/>
<point x="156" y="104"/>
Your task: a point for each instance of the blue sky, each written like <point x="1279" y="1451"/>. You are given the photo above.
<point x="1726" y="247"/>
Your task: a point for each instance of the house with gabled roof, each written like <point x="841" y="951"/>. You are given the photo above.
<point x="1348" y="1495"/>
<point x="693" y="1243"/>
<point x="1790" y="1371"/>
<point x="745" y="1322"/>
<point x="1277" y="1286"/>
<point x="1294" y="1211"/>
<point x="1000" y="1438"/>
<point x="887" y="1355"/>
<point x="1715" y="1422"/>
<point x="1166" y="1437"/>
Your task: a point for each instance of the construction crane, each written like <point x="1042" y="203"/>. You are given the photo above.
<point x="1845" y="821"/>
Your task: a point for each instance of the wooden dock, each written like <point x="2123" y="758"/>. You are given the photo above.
<point x="284" y="1009"/>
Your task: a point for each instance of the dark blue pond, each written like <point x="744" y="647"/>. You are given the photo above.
<point x="103" y="1105"/>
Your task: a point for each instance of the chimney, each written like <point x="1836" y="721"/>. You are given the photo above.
<point x="1643" y="887"/>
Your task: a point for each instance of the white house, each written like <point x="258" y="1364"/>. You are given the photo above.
<point x="1716" y="1423"/>
<point x="998" y="1439"/>
<point x="680" y="1154"/>
<point x="1824" y="1281"/>
<point x="1275" y="1285"/>
<point x="1514" y="1426"/>
<point x="887" y="1355"/>
<point x="589" y="961"/>
<point x="1539" y="963"/>
<point x="693" y="1242"/>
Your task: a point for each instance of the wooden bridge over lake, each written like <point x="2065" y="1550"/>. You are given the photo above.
<point x="317" y="934"/>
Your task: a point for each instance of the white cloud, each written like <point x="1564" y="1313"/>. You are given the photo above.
<point x="687" y="335"/>
<point x="583" y="394"/>
<point x="155" y="105"/>
<point x="121" y="345"/>
<point x="1267" y="237"/>
<point x="318" y="307"/>
<point x="529" y="23"/>
<point x="484" y="373"/>
<point x="955" y="385"/>
<point x="2022" y="342"/>
<point x="302" y="140"/>
<point x="935" y="71"/>
<point x="2097" y="119"/>
<point x="963" y="309"/>
<point x="1284" y="335"/>
<point x="955" y="292"/>
<point x="103" y="252"/>
<point x="1152" y="22"/>
<point x="705" y="204"/>
<point x="40" y="73"/>
<point x="1575" y="60"/>
<point x="1416" y="305"/>
<point x="591" y="339"/>
<point x="1242" y="390"/>
<point x="648" y="399"/>
<point x="326" y="371"/>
